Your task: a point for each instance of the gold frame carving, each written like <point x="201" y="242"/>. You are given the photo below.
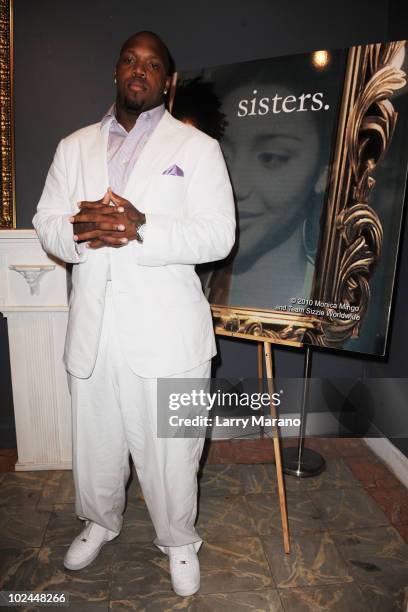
<point x="7" y="202"/>
<point x="351" y="238"/>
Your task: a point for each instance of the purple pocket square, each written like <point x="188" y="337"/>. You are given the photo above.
<point x="174" y="171"/>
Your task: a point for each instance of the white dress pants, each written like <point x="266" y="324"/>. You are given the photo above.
<point x="114" y="413"/>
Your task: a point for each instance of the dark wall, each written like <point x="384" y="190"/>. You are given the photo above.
<point x="64" y="62"/>
<point x="397" y="20"/>
<point x="65" y="54"/>
<point x="390" y="400"/>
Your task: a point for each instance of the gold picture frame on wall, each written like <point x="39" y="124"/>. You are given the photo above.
<point x="7" y="202"/>
<point x="350" y="238"/>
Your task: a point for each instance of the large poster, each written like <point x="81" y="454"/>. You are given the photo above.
<point x="317" y="149"/>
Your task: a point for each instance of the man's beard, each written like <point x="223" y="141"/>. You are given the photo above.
<point x="133" y="106"/>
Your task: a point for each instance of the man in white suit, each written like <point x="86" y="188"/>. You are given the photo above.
<point x="134" y="202"/>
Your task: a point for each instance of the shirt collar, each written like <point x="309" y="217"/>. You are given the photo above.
<point x="152" y="115"/>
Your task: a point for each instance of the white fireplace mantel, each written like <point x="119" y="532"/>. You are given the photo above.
<point x="34" y="299"/>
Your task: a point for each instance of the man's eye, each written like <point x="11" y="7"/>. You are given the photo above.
<point x="273" y="160"/>
<point x="154" y="66"/>
<point x="128" y="60"/>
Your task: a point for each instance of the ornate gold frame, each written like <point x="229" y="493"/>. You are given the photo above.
<point x="7" y="202"/>
<point x="351" y="240"/>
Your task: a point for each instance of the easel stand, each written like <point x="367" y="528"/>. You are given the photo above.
<point x="267" y="353"/>
<point x="303" y="462"/>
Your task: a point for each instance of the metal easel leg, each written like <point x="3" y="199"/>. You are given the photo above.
<point x="303" y="462"/>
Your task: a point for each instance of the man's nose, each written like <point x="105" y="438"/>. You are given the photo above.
<point x="139" y="69"/>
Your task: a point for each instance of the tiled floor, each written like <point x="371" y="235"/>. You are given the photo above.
<point x="347" y="534"/>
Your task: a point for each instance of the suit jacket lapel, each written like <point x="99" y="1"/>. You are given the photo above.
<point x="97" y="178"/>
<point x="154" y="154"/>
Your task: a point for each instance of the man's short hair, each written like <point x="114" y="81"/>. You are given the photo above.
<point x="168" y="58"/>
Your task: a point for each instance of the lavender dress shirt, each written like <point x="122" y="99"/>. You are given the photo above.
<point x="124" y="148"/>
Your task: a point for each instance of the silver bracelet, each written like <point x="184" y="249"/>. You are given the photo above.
<point x="140" y="230"/>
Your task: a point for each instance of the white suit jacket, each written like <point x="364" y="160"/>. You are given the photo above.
<point x="164" y="321"/>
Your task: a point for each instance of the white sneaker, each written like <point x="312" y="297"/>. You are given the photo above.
<point x="184" y="569"/>
<point x="86" y="546"/>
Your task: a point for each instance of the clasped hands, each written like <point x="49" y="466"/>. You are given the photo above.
<point x="101" y="224"/>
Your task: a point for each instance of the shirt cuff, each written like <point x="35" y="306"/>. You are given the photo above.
<point x="80" y="247"/>
<point x="66" y="237"/>
<point x="81" y="250"/>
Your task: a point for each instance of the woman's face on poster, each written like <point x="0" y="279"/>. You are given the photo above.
<point x="273" y="160"/>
